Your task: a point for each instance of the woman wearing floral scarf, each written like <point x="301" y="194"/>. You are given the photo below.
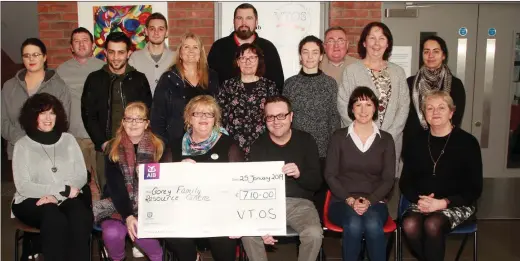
<point x="204" y="141"/>
<point x="134" y="144"/>
<point x="434" y="75"/>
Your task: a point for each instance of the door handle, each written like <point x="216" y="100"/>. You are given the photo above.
<point x="478" y="123"/>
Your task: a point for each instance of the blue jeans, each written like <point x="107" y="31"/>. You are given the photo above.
<point x="370" y="224"/>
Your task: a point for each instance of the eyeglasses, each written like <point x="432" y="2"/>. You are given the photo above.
<point x="136" y="120"/>
<point x="340" y="42"/>
<point x="278" y="117"/>
<point x="250" y="59"/>
<point x="205" y="114"/>
<point x="33" y="55"/>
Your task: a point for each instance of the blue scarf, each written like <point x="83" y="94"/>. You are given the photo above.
<point x="190" y="148"/>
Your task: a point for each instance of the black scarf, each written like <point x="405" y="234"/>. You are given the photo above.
<point x="46" y="138"/>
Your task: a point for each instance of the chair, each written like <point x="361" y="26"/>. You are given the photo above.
<point x="22" y="230"/>
<point x="389" y="227"/>
<point x="97" y="233"/>
<point x="466" y="228"/>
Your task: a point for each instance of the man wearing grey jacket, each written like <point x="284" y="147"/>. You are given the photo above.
<point x="74" y="72"/>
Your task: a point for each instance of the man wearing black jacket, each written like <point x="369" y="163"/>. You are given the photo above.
<point x="223" y="51"/>
<point x="106" y="93"/>
<point x="303" y="178"/>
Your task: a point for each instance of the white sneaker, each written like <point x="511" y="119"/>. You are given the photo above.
<point x="33" y="257"/>
<point x="137" y="253"/>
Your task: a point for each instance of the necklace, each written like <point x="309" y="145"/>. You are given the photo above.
<point x="54" y="168"/>
<point x="442" y="151"/>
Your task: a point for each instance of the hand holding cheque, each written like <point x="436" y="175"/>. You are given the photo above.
<point x="212" y="199"/>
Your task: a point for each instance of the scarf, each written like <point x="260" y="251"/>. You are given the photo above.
<point x="128" y="164"/>
<point x="191" y="148"/>
<point x="46" y="138"/>
<point x="427" y="80"/>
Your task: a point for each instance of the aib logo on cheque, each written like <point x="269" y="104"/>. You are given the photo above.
<point x="151" y="171"/>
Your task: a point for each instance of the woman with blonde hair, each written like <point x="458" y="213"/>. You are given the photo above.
<point x="188" y="77"/>
<point x="204" y="141"/>
<point x="133" y="144"/>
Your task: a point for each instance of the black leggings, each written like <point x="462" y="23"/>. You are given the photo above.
<point x="426" y="234"/>
<point x="185" y="249"/>
<point x="64" y="229"/>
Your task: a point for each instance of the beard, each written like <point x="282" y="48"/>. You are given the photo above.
<point x="244" y="32"/>
<point x="113" y="66"/>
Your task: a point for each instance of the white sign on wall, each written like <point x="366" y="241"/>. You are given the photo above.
<point x="282" y="23"/>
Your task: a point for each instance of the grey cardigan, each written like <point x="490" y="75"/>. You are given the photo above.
<point x="142" y="61"/>
<point x="396" y="114"/>
<point x="14" y="95"/>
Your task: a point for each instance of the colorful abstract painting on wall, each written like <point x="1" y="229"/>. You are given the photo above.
<point x="129" y="19"/>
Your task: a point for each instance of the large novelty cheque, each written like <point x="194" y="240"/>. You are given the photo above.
<point x="183" y="199"/>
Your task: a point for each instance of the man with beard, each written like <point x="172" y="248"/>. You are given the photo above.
<point x="106" y="93"/>
<point x="223" y="52"/>
<point x="155" y="58"/>
<point x="336" y="59"/>
<point x="74" y="72"/>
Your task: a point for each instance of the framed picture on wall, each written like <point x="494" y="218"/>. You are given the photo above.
<point x="102" y="18"/>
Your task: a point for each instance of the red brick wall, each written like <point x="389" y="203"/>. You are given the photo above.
<point x="58" y="19"/>
<point x="56" y="22"/>
<point x="197" y="17"/>
<point x="353" y="16"/>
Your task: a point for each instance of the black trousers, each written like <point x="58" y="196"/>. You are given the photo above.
<point x="64" y="229"/>
<point x="222" y="248"/>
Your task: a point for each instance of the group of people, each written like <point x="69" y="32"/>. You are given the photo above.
<point x="355" y="124"/>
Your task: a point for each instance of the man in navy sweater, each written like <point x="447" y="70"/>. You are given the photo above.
<point x="303" y="178"/>
<point x="222" y="53"/>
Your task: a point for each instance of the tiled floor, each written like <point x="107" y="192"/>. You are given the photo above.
<point x="498" y="240"/>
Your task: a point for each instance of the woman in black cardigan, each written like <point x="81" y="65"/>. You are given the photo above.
<point x="442" y="178"/>
<point x="433" y="75"/>
<point x="188" y="77"/>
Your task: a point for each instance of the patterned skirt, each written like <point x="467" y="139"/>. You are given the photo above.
<point x="456" y="215"/>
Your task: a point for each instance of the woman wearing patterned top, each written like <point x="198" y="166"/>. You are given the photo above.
<point x="242" y="98"/>
<point x="387" y="80"/>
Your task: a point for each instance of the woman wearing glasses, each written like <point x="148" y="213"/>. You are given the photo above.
<point x="188" y="77"/>
<point x="133" y="144"/>
<point x="242" y="98"/>
<point x="204" y="141"/>
<point x="34" y="78"/>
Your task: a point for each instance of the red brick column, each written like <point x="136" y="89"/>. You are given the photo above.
<point x="353" y="16"/>
<point x="197" y="17"/>
<point x="56" y="22"/>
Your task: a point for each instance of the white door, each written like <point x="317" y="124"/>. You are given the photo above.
<point x="481" y="39"/>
